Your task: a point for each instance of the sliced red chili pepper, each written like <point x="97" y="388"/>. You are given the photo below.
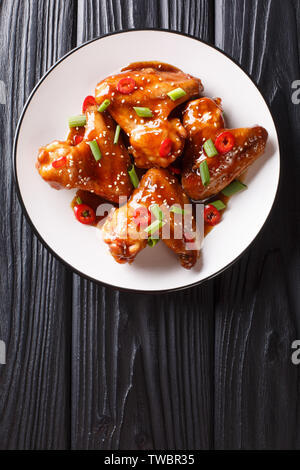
<point x="126" y="85"/>
<point x="225" y="142"/>
<point x="165" y="148"/>
<point x="174" y="170"/>
<point x="59" y="162"/>
<point x="142" y="217"/>
<point x="89" y="101"/>
<point x="211" y="215"/>
<point x="77" y="139"/>
<point x="85" y="214"/>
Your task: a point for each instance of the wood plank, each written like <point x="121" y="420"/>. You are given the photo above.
<point x="142" y="364"/>
<point x="256" y="392"/>
<point x="35" y="289"/>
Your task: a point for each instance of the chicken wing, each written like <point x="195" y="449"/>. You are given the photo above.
<point x="152" y="82"/>
<point x="203" y="120"/>
<point x="125" y="228"/>
<point x="107" y="177"/>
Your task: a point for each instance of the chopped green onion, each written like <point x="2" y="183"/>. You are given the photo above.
<point x="177" y="210"/>
<point x="176" y="94"/>
<point x="204" y="172"/>
<point x="78" y="200"/>
<point x="156" y="225"/>
<point x="95" y="150"/>
<point x="234" y="187"/>
<point x="156" y="211"/>
<point x="133" y="176"/>
<point x="103" y="106"/>
<point x="77" y="121"/>
<point x="143" y="112"/>
<point x="117" y="134"/>
<point x="219" y="205"/>
<point x="152" y="241"/>
<point x="210" y="148"/>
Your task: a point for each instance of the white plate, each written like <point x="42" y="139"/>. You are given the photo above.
<point x="60" y="93"/>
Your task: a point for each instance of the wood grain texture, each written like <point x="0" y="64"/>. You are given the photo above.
<point x="257" y="387"/>
<point x="142" y="364"/>
<point x="35" y="289"/>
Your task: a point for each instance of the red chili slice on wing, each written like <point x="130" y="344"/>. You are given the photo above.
<point x="89" y="101"/>
<point x="224" y="142"/>
<point x="165" y="148"/>
<point x="211" y="215"/>
<point x="126" y="85"/>
<point x="85" y="214"/>
<point x="59" y="162"/>
<point x="77" y="139"/>
<point x="142" y="218"/>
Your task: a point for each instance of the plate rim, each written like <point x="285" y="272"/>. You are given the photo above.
<point x="20" y="198"/>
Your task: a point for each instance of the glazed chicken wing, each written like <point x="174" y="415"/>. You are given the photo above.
<point x="150" y="81"/>
<point x="203" y="120"/>
<point x="107" y="177"/>
<point x="124" y="230"/>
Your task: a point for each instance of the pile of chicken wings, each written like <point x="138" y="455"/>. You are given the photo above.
<point x="150" y="136"/>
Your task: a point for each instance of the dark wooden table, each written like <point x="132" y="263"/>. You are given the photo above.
<point x="89" y="367"/>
